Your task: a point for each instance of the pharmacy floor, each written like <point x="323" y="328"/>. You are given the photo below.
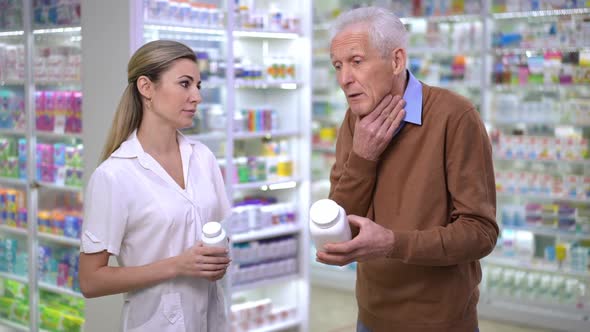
<point x="335" y="311"/>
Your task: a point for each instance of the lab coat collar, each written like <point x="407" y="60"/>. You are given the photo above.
<point x="132" y="148"/>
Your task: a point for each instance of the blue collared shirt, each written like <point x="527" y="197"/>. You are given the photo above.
<point x="413" y="98"/>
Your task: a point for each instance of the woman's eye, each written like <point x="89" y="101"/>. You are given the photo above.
<point x="199" y="86"/>
<point x="184" y="84"/>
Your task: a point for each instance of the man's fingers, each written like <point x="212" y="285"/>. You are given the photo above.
<point x="373" y="115"/>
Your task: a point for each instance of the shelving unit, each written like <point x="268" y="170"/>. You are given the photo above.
<point x="47" y="64"/>
<point x="504" y="120"/>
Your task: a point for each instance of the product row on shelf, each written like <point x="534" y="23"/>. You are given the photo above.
<point x="59" y="163"/>
<point x="45" y="14"/>
<point x="53" y="64"/>
<point x="261" y="314"/>
<point x="57" y="312"/>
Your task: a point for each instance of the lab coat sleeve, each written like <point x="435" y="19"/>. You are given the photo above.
<point x="105" y="215"/>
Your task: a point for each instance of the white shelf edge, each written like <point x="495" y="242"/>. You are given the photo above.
<point x="59" y="239"/>
<point x="207" y="137"/>
<point x="520" y="50"/>
<point x="265" y="282"/>
<point x="48" y="134"/>
<point x="570" y="162"/>
<point x="13" y="230"/>
<point x="180" y="28"/>
<point x="442" y="18"/>
<point x="544" y="198"/>
<point x="59" y="290"/>
<point x="265" y="233"/>
<point x="13" y="325"/>
<point x="440" y="52"/>
<point x="550" y="232"/>
<point x="14" y="277"/>
<point x="246" y="33"/>
<point x="529" y="316"/>
<point x="340" y="278"/>
<point x="540" y="13"/>
<point x="278" y="326"/>
<point x="292" y="182"/>
<point x="12" y="131"/>
<point x="262" y="84"/>
<point x="267" y="133"/>
<point x="58" y="187"/>
<point x="317" y="148"/>
<point x="12" y="181"/>
<point x="524" y="265"/>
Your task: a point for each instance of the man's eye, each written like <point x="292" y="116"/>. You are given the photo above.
<point x="357" y="62"/>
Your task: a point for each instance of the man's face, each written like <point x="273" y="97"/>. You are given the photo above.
<point x="363" y="73"/>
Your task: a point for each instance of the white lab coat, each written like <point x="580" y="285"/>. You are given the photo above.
<point x="137" y="212"/>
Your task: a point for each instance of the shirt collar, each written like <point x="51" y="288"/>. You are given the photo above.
<point x="413" y="98"/>
<point x="132" y="148"/>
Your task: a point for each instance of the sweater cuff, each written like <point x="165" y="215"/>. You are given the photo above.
<point x="401" y="245"/>
<point x="361" y="166"/>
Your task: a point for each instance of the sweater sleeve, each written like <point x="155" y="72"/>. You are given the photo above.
<point x="472" y="231"/>
<point x="352" y="179"/>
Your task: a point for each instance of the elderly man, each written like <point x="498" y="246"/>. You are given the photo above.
<point x="416" y="177"/>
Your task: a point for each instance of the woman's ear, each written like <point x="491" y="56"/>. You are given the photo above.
<point x="145" y="87"/>
<point x="398" y="60"/>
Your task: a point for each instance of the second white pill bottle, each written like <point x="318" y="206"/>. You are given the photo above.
<point x="214" y="235"/>
<point x="328" y="223"/>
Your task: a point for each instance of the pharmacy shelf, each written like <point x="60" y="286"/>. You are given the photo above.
<point x="531" y="314"/>
<point x="13" y="325"/>
<point x="10" y="276"/>
<point x="62" y="83"/>
<point x="59" y="239"/>
<point x="327" y="149"/>
<point x="266" y="233"/>
<point x="265" y="34"/>
<point x="545" y="304"/>
<point x="520" y="50"/>
<point x="545" y="198"/>
<point x="12" y="132"/>
<point x="184" y="29"/>
<point x="539" y="86"/>
<point x="13" y="230"/>
<point x="515" y="263"/>
<point x="546" y="162"/>
<point x="261" y="84"/>
<point x="341" y="278"/>
<point x="54" y="186"/>
<point x="59" y="290"/>
<point x="513" y="124"/>
<point x="442" y="18"/>
<point x="459" y="85"/>
<point x="67" y="29"/>
<point x="12" y="181"/>
<point x="52" y="135"/>
<point x="541" y="13"/>
<point x="287" y="183"/>
<point x="440" y="52"/>
<point x="265" y="282"/>
<point x="266" y="134"/>
<point x="546" y="231"/>
<point x="215" y="136"/>
<point x="289" y="324"/>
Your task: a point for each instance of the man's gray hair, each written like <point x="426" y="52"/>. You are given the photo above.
<point x="386" y="30"/>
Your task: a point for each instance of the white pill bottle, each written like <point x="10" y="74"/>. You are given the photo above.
<point x="328" y="223"/>
<point x="214" y="235"/>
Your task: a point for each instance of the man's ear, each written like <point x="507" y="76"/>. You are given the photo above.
<point x="398" y="60"/>
<point x="145" y="87"/>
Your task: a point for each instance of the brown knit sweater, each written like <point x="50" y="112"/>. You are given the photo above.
<point x="434" y="187"/>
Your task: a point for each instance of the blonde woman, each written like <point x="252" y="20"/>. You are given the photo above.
<point x="146" y="203"/>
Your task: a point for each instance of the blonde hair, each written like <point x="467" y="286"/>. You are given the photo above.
<point x="150" y="60"/>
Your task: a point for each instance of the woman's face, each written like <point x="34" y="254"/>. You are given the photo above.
<point x="176" y="95"/>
